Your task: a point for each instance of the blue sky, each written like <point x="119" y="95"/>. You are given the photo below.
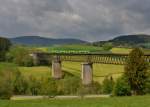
<point x="90" y="20"/>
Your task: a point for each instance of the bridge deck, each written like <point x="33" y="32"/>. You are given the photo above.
<point x="105" y="58"/>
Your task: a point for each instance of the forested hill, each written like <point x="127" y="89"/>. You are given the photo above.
<point x="128" y="40"/>
<point x="43" y="41"/>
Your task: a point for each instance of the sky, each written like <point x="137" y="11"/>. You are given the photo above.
<point x="91" y="20"/>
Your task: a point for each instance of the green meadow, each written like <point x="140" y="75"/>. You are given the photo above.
<point x="37" y="72"/>
<point x="100" y="71"/>
<point x="74" y="48"/>
<point x="136" y="101"/>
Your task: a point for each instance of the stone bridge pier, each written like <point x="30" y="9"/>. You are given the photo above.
<point x="87" y="73"/>
<point x="35" y="59"/>
<point x="56" y="69"/>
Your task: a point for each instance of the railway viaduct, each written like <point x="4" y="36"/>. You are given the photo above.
<point x="86" y="60"/>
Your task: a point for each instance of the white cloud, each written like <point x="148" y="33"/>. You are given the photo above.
<point x="90" y="19"/>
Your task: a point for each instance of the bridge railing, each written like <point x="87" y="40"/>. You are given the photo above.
<point x="109" y="58"/>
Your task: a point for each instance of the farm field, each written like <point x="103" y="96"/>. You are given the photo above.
<point x="136" y="101"/>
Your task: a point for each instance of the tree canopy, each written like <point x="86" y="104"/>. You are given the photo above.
<point x="4" y="47"/>
<point x="136" y="71"/>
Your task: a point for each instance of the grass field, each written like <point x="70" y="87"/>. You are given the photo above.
<point x="120" y="50"/>
<point x="82" y="48"/>
<point x="99" y="70"/>
<point x="37" y="72"/>
<point x="136" y="101"/>
<point x="74" y="48"/>
<point x="85" y="48"/>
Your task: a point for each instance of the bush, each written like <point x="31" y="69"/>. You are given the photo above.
<point x="20" y="56"/>
<point x="108" y="84"/>
<point x="147" y="85"/>
<point x="94" y="88"/>
<point x="48" y="87"/>
<point x="7" y="75"/>
<point x="6" y="88"/>
<point x="2" y="55"/>
<point x="20" y="84"/>
<point x="122" y="88"/>
<point x="68" y="86"/>
<point x="107" y="46"/>
<point x="34" y="86"/>
<point x="28" y="61"/>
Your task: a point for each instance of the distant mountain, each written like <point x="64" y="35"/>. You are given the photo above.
<point x="127" y="40"/>
<point x="43" y="41"/>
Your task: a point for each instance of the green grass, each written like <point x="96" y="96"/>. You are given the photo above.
<point x="43" y="49"/>
<point x="74" y="48"/>
<point x="126" y="50"/>
<point x="120" y="50"/>
<point x="136" y="101"/>
<point x="100" y="71"/>
<point x="37" y="72"/>
<point x="74" y="68"/>
<point x="7" y="66"/>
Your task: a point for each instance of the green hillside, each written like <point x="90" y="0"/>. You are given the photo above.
<point x="140" y="40"/>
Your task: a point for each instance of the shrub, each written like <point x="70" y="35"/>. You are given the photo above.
<point x="69" y="85"/>
<point x="28" y="61"/>
<point x="48" y="87"/>
<point x="107" y="46"/>
<point x="94" y="88"/>
<point x="147" y="86"/>
<point x="6" y="88"/>
<point x="7" y="72"/>
<point x="20" y="84"/>
<point x="121" y="87"/>
<point x="108" y="84"/>
<point x="20" y="56"/>
<point x="34" y="86"/>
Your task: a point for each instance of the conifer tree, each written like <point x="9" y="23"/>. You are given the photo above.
<point x="136" y="71"/>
